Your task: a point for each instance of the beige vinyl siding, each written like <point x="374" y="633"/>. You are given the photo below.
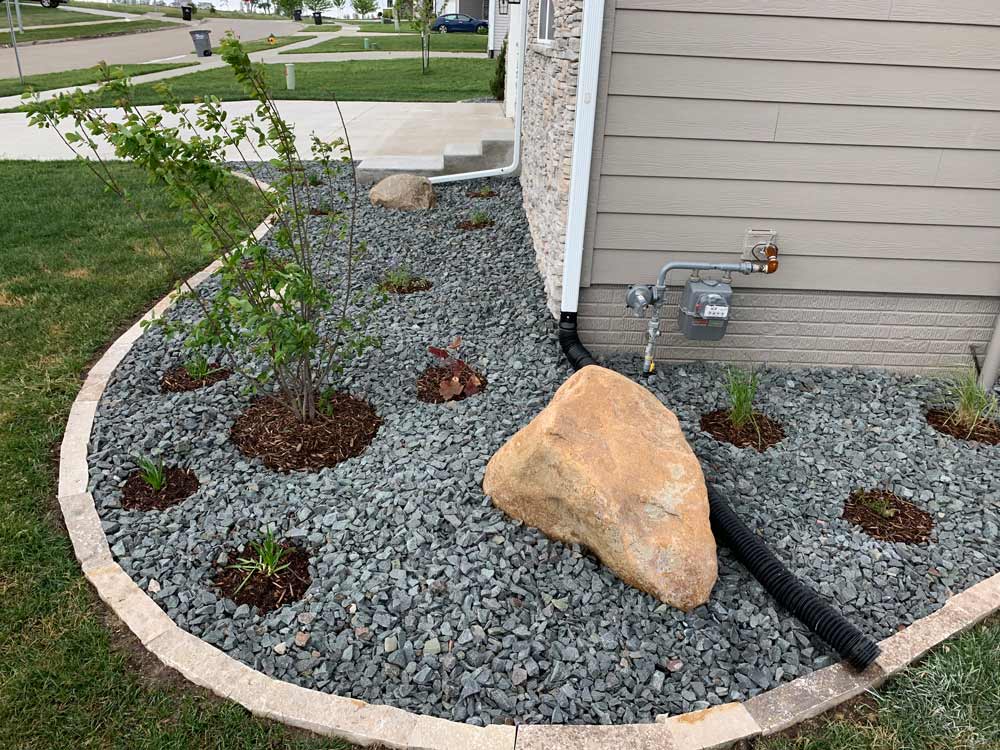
<point x="866" y="132"/>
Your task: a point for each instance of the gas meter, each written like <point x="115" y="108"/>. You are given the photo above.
<point x="704" y="309"/>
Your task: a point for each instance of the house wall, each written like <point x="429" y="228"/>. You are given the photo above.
<point x="550" y="71"/>
<point x="865" y="132"/>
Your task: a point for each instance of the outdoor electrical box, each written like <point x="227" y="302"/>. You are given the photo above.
<point x="704" y="310"/>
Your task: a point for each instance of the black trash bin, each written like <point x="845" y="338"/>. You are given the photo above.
<point x="318" y="19"/>
<point x="202" y="42"/>
<point x="297" y="14"/>
<point x="187" y="11"/>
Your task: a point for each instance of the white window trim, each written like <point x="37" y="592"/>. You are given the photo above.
<point x="542" y="27"/>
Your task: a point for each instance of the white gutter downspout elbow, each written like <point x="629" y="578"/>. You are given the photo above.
<point x="583" y="146"/>
<point x="515" y="165"/>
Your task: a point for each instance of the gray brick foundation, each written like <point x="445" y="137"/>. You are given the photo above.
<point x="914" y="333"/>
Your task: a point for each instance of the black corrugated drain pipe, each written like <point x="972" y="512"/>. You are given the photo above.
<point x="854" y="646"/>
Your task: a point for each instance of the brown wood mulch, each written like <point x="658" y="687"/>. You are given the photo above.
<point x="178" y="379"/>
<point x="410" y="287"/>
<point x="429" y="383"/>
<point x="471" y="225"/>
<point x="138" y="495"/>
<point x="985" y="432"/>
<point x="766" y="433"/>
<point x="270" y="431"/>
<point x="908" y="523"/>
<point x="263" y="592"/>
<point x="490" y="193"/>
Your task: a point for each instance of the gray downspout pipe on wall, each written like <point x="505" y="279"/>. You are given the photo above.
<point x="991" y="363"/>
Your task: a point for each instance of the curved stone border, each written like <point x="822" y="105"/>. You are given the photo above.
<point x="365" y="724"/>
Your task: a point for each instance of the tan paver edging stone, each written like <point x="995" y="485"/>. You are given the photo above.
<point x="365" y="724"/>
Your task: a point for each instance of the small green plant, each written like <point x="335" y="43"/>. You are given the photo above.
<point x="314" y="179"/>
<point x="877" y="503"/>
<point x="741" y="385"/>
<point x="266" y="560"/>
<point x="483" y="192"/>
<point x="400" y="277"/>
<point x="153" y="473"/>
<point x="480" y="217"/>
<point x="199" y="368"/>
<point x="969" y="404"/>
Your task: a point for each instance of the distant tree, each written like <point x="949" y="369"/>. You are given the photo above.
<point x="318" y="6"/>
<point x="339" y="5"/>
<point x="363" y="7"/>
<point x="287" y="7"/>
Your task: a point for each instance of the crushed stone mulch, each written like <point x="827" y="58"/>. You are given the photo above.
<point x="905" y="522"/>
<point x="138" y="495"/>
<point x="263" y="592"/>
<point x="270" y="431"/>
<point x="489" y="193"/>
<point x="429" y="383"/>
<point x="177" y="379"/>
<point x="760" y="433"/>
<point x="985" y="432"/>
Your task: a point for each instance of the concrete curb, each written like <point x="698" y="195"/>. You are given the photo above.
<point x="365" y="724"/>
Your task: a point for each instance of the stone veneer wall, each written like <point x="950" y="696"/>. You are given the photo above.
<point x="550" y="72"/>
<point x="907" y="332"/>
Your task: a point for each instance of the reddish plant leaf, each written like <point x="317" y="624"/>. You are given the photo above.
<point x="455" y="342"/>
<point x="450" y="388"/>
<point x="473" y="386"/>
<point x="438" y="352"/>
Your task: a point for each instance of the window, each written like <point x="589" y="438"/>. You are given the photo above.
<point x="546" y="22"/>
<point x="504" y="8"/>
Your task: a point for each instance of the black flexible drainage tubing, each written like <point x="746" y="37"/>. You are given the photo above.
<point x="854" y="646"/>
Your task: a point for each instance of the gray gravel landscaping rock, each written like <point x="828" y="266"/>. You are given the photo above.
<point x="426" y="597"/>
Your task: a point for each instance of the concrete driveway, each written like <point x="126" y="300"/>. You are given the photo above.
<point x="135" y="48"/>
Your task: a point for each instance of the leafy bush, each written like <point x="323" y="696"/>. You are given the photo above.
<point x="499" y="83"/>
<point x="969" y="404"/>
<point x="266" y="311"/>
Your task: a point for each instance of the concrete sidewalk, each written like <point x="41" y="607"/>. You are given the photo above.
<point x="375" y="128"/>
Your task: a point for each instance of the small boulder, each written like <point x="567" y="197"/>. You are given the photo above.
<point x="406" y="192"/>
<point x="605" y="465"/>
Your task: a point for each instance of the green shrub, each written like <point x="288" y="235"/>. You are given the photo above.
<point x="499" y="82"/>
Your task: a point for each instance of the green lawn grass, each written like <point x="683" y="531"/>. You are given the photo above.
<point x="261" y="44"/>
<point x="78" y="77"/>
<point x="367" y="27"/>
<point x="950" y="701"/>
<point x="77" y="268"/>
<point x="402" y="42"/>
<point x="91" y="30"/>
<point x="350" y="80"/>
<point x="325" y="27"/>
<point x="36" y="15"/>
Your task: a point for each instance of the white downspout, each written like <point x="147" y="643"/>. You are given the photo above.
<point x="515" y="165"/>
<point x="583" y="147"/>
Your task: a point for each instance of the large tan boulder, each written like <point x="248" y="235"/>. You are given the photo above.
<point x="407" y="192"/>
<point x="605" y="465"/>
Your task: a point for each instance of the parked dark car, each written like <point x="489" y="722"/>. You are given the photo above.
<point x="459" y="22"/>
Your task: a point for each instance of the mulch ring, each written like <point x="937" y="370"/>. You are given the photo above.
<point x="487" y="193"/>
<point x="887" y="517"/>
<point x="760" y="433"/>
<point x="985" y="432"/>
<point x="411" y="286"/>
<point x="270" y="431"/>
<point x="429" y="383"/>
<point x="138" y="495"/>
<point x="267" y="593"/>
<point x="178" y="379"/>
<point x="470" y="225"/>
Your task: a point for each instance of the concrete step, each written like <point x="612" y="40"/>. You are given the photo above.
<point x="495" y="149"/>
